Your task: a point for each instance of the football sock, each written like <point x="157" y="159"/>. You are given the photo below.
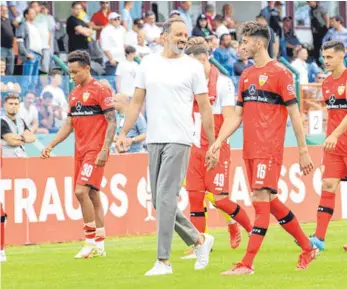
<point x="197" y="212"/>
<point x="324" y="214"/>
<point x="90" y="232"/>
<point x="99" y="238"/>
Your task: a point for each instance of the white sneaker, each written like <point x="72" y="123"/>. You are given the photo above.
<point x="86" y="252"/>
<point x="2" y="256"/>
<point x="189" y="256"/>
<point x="159" y="268"/>
<point x="203" y="251"/>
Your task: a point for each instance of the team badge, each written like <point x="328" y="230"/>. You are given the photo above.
<point x="262" y="79"/>
<point x="85" y="96"/>
<point x="341" y="89"/>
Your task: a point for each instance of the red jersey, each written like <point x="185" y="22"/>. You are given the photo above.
<point x="264" y="93"/>
<point x="99" y="19"/>
<point x="88" y="104"/>
<point x="335" y="96"/>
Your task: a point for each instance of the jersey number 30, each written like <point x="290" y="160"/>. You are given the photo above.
<point x="87" y="170"/>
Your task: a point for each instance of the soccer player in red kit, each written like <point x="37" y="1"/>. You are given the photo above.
<point x="334" y="91"/>
<point x="93" y="119"/>
<point x="199" y="179"/>
<point x="266" y="95"/>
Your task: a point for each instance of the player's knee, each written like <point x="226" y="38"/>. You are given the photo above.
<point x="95" y="198"/>
<point x="330" y="185"/>
<point x="261" y="195"/>
<point x="81" y="194"/>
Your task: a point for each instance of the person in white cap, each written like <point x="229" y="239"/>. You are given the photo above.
<point x="112" y="39"/>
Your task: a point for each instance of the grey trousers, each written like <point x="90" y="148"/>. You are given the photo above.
<point x="167" y="169"/>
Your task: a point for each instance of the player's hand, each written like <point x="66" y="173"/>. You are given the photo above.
<point x="46" y="152"/>
<point x="101" y="158"/>
<point x="211" y="160"/>
<point x="330" y="142"/>
<point x="122" y="144"/>
<point x="305" y="162"/>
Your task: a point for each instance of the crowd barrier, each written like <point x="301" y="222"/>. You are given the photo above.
<point x="41" y="207"/>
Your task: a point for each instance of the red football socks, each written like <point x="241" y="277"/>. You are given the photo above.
<point x="236" y="212"/>
<point x="324" y="214"/>
<point x="289" y="222"/>
<point x="261" y="224"/>
<point x="197" y="210"/>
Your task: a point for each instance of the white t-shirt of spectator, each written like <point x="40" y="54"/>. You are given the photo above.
<point x="170" y="86"/>
<point x="42" y="24"/>
<point x="35" y="41"/>
<point x="225" y="97"/>
<point x="29" y="115"/>
<point x="142" y="50"/>
<point x="126" y="16"/>
<point x="112" y="39"/>
<point x="59" y="100"/>
<point x="152" y="31"/>
<point x="131" y="38"/>
<point x="127" y="71"/>
<point x="301" y="67"/>
<point x="222" y="30"/>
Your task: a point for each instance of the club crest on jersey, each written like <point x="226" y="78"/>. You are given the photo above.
<point x="85" y="96"/>
<point x="262" y="79"/>
<point x="341" y="89"/>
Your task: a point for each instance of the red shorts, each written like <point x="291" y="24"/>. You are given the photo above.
<point x="263" y="174"/>
<point x="335" y="166"/>
<point x="87" y="173"/>
<point x="215" y="181"/>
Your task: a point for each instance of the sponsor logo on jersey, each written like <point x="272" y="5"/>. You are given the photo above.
<point x="262" y="79"/>
<point x="332" y="99"/>
<point x="341" y="89"/>
<point x="78" y="106"/>
<point x="252" y="89"/>
<point x="85" y="96"/>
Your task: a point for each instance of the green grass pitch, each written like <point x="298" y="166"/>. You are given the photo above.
<point x="51" y="266"/>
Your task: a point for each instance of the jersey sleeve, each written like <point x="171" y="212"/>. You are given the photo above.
<point x="106" y="100"/>
<point x="199" y="82"/>
<point x="226" y="91"/>
<point x="240" y="91"/>
<point x="286" y="88"/>
<point x="140" y="79"/>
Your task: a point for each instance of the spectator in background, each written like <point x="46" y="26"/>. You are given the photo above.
<point x="112" y="42"/>
<point x="226" y="55"/>
<point x="337" y="31"/>
<point x="141" y="49"/>
<point x="7" y="37"/>
<point x="2" y="66"/>
<point x="273" y="44"/>
<point x="51" y="25"/>
<point x="210" y="12"/>
<point x="184" y="14"/>
<point x="272" y="16"/>
<point x="227" y="12"/>
<point x="77" y="29"/>
<point x="100" y="18"/>
<point x="42" y="24"/>
<point x="126" y="73"/>
<point x="16" y="9"/>
<point x="175" y="14"/>
<point x="30" y="49"/>
<point x="291" y="42"/>
<point x="131" y="36"/>
<point x="201" y="28"/>
<point x="242" y="63"/>
<point x="28" y="112"/>
<point x="127" y="20"/>
<point x="152" y="31"/>
<point x="319" y="26"/>
<point x="213" y="43"/>
<point x="301" y="65"/>
<point x="137" y="134"/>
<point x="220" y="27"/>
<point x="59" y="101"/>
<point x="7" y="83"/>
<point x="46" y="114"/>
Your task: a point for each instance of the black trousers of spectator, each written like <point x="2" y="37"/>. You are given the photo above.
<point x="317" y="44"/>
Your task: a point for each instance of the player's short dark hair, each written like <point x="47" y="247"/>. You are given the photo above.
<point x="130" y="49"/>
<point x="75" y="3"/>
<point x="168" y="24"/>
<point x="256" y="29"/>
<point x="47" y="94"/>
<point x="12" y="95"/>
<point x="80" y="56"/>
<point x="334" y="44"/>
<point x="219" y="18"/>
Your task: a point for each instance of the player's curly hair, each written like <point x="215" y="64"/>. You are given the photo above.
<point x="255" y="29"/>
<point x="196" y="46"/>
<point x="80" y="56"/>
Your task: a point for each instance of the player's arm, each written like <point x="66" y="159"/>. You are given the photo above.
<point x="331" y="141"/>
<point x="205" y="109"/>
<point x="28" y="136"/>
<point x="12" y="139"/>
<point x="64" y="131"/>
<point x="232" y="121"/>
